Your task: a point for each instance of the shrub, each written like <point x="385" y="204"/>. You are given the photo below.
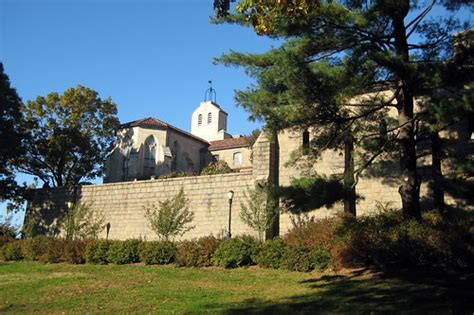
<point x="124" y="252"/>
<point x="171" y="217"/>
<point x="81" y="222"/>
<point x="271" y="254"/>
<point x="34" y="248"/>
<point x="304" y="259"/>
<point x="259" y="210"/>
<point x="314" y="234"/>
<point x="217" y="167"/>
<point x="235" y="252"/>
<point x="12" y="251"/>
<point x="157" y="253"/>
<point x="96" y="252"/>
<point x="74" y="251"/>
<point x="176" y="174"/>
<point x="54" y="252"/>
<point x="196" y="253"/>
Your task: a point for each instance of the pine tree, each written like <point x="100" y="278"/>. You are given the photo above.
<point x="334" y="51"/>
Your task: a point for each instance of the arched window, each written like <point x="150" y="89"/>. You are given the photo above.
<point x="237" y="159"/>
<point x="305" y="142"/>
<point x="209" y="118"/>
<point x="149" y="156"/>
<point x="126" y="161"/>
<point x="199" y="119"/>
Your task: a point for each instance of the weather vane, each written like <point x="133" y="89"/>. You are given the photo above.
<point x="210" y="94"/>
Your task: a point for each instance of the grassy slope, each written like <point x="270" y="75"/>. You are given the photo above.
<point x="36" y="288"/>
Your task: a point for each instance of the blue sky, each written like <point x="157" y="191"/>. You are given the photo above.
<point x="152" y="57"/>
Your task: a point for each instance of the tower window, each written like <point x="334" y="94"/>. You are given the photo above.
<point x="237" y="158"/>
<point x="200" y="120"/>
<point x="209" y="118"/>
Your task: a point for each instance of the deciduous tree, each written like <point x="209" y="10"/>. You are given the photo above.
<point x="70" y="136"/>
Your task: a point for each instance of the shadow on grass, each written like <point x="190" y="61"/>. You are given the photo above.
<point x="371" y="293"/>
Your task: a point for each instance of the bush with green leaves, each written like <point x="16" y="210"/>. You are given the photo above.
<point x="177" y="174"/>
<point x="74" y="251"/>
<point x="96" y="252"/>
<point x="299" y="258"/>
<point x="12" y="251"/>
<point x="124" y="252"/>
<point x="196" y="253"/>
<point x="171" y="217"/>
<point x="236" y="252"/>
<point x="34" y="248"/>
<point x="157" y="253"/>
<point x="217" y="167"/>
<point x="271" y="253"/>
<point x="54" y="252"/>
<point x="81" y="222"/>
<point x="259" y="211"/>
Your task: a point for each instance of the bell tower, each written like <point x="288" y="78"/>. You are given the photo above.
<point x="209" y="120"/>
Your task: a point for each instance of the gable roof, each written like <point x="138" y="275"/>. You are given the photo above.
<point x="229" y="143"/>
<point x="154" y="123"/>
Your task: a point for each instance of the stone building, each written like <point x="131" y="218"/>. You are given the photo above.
<point x="147" y="148"/>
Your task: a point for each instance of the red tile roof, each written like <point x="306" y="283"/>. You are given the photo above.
<point x="153" y="123"/>
<point x="229" y="143"/>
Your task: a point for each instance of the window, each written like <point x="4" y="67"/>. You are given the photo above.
<point x="126" y="162"/>
<point x="209" y="118"/>
<point x="149" y="156"/>
<point x="199" y="119"/>
<point x="237" y="158"/>
<point x="305" y="142"/>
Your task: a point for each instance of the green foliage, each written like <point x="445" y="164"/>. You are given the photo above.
<point x="124" y="252"/>
<point x="7" y="230"/>
<point x="334" y="51"/>
<point x="235" y="252"/>
<point x="304" y="259"/>
<point x="259" y="210"/>
<point x="177" y="174"/>
<point x="96" y="252"/>
<point x="12" y="134"/>
<point x="74" y="251"/>
<point x="34" y="248"/>
<point x="196" y="253"/>
<point x="11" y="251"/>
<point x="271" y="254"/>
<point x="157" y="253"/>
<point x="69" y="136"/>
<point x="81" y="222"/>
<point x="171" y="217"/>
<point x="54" y="252"/>
<point x="310" y="193"/>
<point x="217" y="167"/>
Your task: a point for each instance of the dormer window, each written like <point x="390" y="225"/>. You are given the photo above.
<point x="209" y="118"/>
<point x="200" y="120"/>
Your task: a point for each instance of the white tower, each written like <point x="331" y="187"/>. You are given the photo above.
<point x="209" y="121"/>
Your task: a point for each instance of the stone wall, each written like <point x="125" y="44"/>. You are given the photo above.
<point x="123" y="204"/>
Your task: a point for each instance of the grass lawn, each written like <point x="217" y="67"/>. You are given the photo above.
<point x="27" y="287"/>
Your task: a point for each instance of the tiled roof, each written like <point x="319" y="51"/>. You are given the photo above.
<point x="153" y="123"/>
<point x="229" y="143"/>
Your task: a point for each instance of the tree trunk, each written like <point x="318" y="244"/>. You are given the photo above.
<point x="349" y="181"/>
<point x="409" y="188"/>
<point x="436" y="156"/>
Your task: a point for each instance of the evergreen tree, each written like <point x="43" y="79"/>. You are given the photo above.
<point x="334" y="51"/>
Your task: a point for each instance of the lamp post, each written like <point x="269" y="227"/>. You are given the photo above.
<point x="230" y="196"/>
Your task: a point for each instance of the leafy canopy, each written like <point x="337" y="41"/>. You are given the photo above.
<point x="70" y="136"/>
<point x="11" y="135"/>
